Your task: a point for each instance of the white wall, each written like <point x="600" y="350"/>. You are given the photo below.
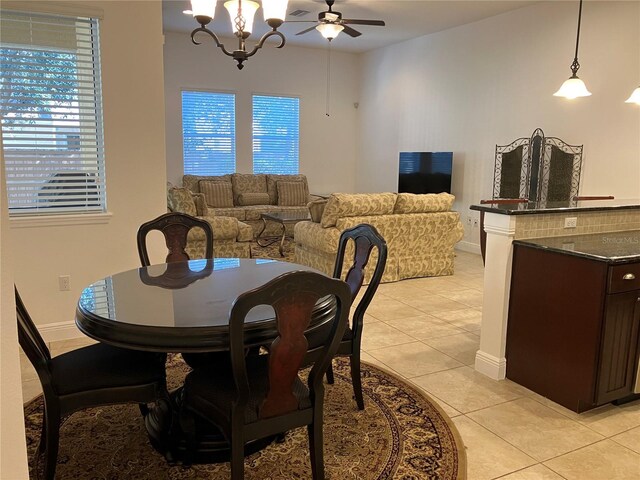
<point x="472" y="87"/>
<point x="328" y="145"/>
<point x="133" y="96"/>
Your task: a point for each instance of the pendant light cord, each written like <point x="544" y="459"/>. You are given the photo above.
<point x="575" y="65"/>
<point x="328" y="105"/>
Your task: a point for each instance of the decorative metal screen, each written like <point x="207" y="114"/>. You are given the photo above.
<point x="541" y="169"/>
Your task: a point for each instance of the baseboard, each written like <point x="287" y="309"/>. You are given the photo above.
<point x="54" y="332"/>
<point x="468" y="247"/>
<point x="492" y="367"/>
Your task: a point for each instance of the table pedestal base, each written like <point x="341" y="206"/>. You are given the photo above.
<point x="167" y="437"/>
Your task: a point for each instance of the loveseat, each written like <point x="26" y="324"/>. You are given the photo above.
<point x="420" y="231"/>
<point x="247" y="196"/>
<point x="231" y="237"/>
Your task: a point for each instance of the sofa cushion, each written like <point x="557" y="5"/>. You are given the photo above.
<point x="248" y="183"/>
<point x="291" y="194"/>
<point x="272" y="188"/>
<point x="316" y="209"/>
<point x="356" y="204"/>
<point x="424" y="203"/>
<point x="218" y="194"/>
<point x="235" y="212"/>
<point x="192" y="182"/>
<point x="180" y="200"/>
<point x="245" y="199"/>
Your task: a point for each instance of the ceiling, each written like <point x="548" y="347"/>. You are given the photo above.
<point x="405" y="19"/>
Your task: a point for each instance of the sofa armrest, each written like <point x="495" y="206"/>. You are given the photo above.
<point x="313" y="235"/>
<point x="224" y="228"/>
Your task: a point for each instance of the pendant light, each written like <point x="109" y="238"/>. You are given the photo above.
<point x="635" y="97"/>
<point x="574" y="87"/>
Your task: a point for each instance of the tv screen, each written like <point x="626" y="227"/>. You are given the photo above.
<point x="425" y="172"/>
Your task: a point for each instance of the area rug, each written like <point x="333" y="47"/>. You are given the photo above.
<point x="271" y="251"/>
<point x="401" y="434"/>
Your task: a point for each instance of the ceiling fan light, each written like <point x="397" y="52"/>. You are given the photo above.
<point x="248" y="12"/>
<point x="329" y="30"/>
<point x="635" y="97"/>
<point x="205" y="9"/>
<point x="573" y="88"/>
<point x="274" y="9"/>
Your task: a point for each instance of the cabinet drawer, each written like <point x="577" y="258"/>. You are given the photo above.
<point x="624" y="278"/>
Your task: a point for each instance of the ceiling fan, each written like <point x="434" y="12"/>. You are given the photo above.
<point x="331" y="23"/>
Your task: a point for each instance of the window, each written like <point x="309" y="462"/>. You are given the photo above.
<point x="51" y="109"/>
<point x="209" y="133"/>
<point x="276" y="131"/>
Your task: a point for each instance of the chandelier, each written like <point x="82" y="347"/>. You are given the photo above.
<point x="241" y="13"/>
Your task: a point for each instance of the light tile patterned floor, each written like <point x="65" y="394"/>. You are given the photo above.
<point x="427" y="331"/>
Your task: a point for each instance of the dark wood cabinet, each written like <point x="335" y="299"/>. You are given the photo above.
<point x="573" y="327"/>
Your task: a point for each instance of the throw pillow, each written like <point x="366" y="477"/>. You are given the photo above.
<point x="180" y="200"/>
<point x="246" y="199"/>
<point x="423" y="203"/>
<point x="272" y="184"/>
<point x="291" y="194"/>
<point x="201" y="204"/>
<point x="316" y="209"/>
<point x="218" y="194"/>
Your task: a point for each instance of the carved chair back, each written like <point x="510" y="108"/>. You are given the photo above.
<point x="32" y="343"/>
<point x="293" y="296"/>
<point x="175" y="227"/>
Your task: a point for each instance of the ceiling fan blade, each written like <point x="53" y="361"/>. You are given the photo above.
<point x="306" y="30"/>
<point x="350" y="31"/>
<point x="376" y="23"/>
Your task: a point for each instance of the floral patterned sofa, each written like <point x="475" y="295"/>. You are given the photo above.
<point x="231" y="237"/>
<point x="420" y="231"/>
<point x="247" y="196"/>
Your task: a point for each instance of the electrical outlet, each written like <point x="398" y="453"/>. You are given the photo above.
<point x="64" y="283"/>
<point x="571" y="222"/>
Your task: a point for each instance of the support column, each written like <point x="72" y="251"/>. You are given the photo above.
<point x="490" y="358"/>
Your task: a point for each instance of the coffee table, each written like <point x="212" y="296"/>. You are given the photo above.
<point x="284" y="219"/>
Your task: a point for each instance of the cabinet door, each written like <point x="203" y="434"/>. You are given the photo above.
<point x="619" y="354"/>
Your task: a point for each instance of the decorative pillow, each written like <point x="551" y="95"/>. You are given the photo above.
<point x="291" y="194"/>
<point x="316" y="209"/>
<point x="180" y="200"/>
<point x="192" y="182"/>
<point x="356" y="205"/>
<point x="248" y="183"/>
<point x="245" y="199"/>
<point x="218" y="194"/>
<point x="272" y="187"/>
<point x="201" y="204"/>
<point x="423" y="203"/>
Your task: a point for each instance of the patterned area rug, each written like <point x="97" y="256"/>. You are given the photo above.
<point x="401" y="434"/>
<point x="271" y="251"/>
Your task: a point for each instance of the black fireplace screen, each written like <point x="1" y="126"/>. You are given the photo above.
<point x="541" y="169"/>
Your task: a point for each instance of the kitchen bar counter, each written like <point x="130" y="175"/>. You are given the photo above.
<point x="533" y="208"/>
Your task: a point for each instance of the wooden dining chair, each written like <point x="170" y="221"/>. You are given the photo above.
<point x="88" y="377"/>
<point x="262" y="395"/>
<point x="365" y="238"/>
<point x="175" y="227"/>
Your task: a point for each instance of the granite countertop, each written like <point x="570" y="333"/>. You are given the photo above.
<point x="556" y="207"/>
<point x="615" y="247"/>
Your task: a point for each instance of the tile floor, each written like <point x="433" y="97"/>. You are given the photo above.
<point x="427" y="331"/>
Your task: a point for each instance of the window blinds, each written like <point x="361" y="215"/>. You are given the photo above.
<point x="51" y="109"/>
<point x="276" y="131"/>
<point x="209" y="133"/>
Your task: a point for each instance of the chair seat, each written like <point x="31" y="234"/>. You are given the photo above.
<point x="103" y="366"/>
<point x="214" y="389"/>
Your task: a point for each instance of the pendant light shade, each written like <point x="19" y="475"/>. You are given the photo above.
<point x="329" y="30"/>
<point x="572" y="88"/>
<point x="241" y="19"/>
<point x="274" y="10"/>
<point x="635" y="97"/>
<point x="203" y="9"/>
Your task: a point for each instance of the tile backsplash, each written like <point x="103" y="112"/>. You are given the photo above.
<point x="552" y="225"/>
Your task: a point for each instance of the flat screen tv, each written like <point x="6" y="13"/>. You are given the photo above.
<point x="425" y="172"/>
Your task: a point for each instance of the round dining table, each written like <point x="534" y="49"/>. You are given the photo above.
<point x="184" y="307"/>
